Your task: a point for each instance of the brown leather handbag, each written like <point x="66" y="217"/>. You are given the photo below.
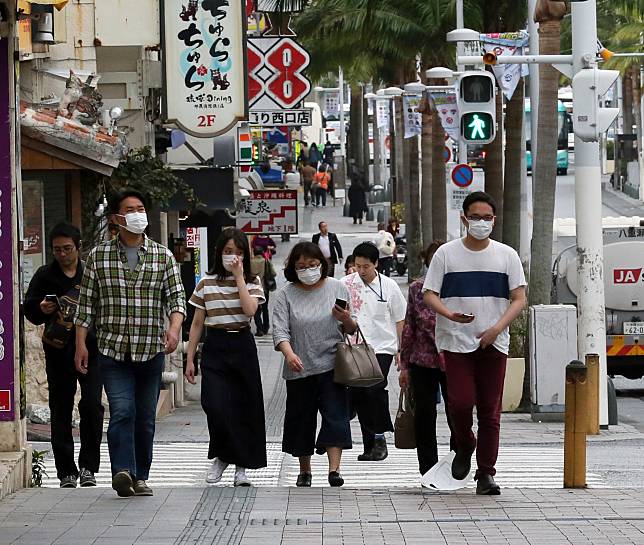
<point x="404" y="432"/>
<point x="356" y="364"/>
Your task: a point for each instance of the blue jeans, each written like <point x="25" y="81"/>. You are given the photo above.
<point x="132" y="392"/>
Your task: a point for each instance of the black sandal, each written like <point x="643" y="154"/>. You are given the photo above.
<point x="304" y="479"/>
<point x="335" y="479"/>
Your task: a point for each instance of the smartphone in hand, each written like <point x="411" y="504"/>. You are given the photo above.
<point x="52" y="299"/>
<point x="341" y="303"/>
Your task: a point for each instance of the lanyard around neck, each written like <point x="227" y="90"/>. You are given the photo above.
<point x="379" y="295"/>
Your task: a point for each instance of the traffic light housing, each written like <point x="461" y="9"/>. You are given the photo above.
<point x="589" y="119"/>
<point x="477" y="106"/>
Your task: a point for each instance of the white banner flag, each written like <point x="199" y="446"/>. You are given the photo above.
<point x="413" y="118"/>
<point x="506" y="44"/>
<point x="447" y="108"/>
<point x="382" y="114"/>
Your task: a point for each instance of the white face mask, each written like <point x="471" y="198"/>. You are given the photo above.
<point x="310" y="276"/>
<point x="135" y="222"/>
<point x="228" y="261"/>
<point x="480" y="229"/>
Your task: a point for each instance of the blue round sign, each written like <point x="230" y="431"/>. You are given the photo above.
<point x="462" y="175"/>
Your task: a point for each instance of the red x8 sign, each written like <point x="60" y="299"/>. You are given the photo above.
<point x="275" y="73"/>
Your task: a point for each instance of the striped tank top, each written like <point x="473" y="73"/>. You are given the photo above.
<point x="220" y="299"/>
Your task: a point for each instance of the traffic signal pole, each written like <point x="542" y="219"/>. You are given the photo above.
<point x="460" y="23"/>
<point x="591" y="320"/>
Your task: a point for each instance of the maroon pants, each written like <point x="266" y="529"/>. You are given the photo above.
<point x="476" y="379"/>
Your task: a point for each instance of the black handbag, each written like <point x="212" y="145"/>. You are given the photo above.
<point x="270" y="283"/>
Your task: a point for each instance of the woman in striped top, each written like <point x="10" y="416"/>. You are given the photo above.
<point x="231" y="386"/>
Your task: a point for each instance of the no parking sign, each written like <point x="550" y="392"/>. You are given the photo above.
<point x="462" y="175"/>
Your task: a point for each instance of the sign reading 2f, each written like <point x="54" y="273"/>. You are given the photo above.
<point x="275" y="73"/>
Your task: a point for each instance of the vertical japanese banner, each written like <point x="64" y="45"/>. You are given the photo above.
<point x="382" y="113"/>
<point x="332" y="104"/>
<point x="503" y="45"/>
<point x="447" y="109"/>
<point x="413" y="118"/>
<point x="205" y="65"/>
<point x="7" y="386"/>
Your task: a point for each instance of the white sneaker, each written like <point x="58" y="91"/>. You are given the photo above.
<point x="240" y="477"/>
<point x="216" y="471"/>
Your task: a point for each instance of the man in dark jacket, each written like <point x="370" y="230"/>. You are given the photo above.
<point x="51" y="299"/>
<point x="330" y="246"/>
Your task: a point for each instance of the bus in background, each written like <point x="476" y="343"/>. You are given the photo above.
<point x="565" y="95"/>
<point x="563" y="125"/>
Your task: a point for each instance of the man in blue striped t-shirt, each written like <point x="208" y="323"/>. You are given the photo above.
<point x="477" y="287"/>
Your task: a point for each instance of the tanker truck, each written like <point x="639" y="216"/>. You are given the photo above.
<point x="623" y="287"/>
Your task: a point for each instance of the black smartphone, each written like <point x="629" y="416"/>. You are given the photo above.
<point x="467" y="315"/>
<point x="341" y="303"/>
<point x="52" y="299"/>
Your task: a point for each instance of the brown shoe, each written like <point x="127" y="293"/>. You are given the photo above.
<point x="142" y="489"/>
<point x="122" y="483"/>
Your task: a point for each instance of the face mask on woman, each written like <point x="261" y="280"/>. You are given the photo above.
<point x="228" y="261"/>
<point x="310" y="276"/>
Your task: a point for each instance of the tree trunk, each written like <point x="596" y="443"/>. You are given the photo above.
<point x="355" y="131"/>
<point x="494" y="169"/>
<point x="413" y="226"/>
<point x="545" y="179"/>
<point x="426" y="177"/>
<point x="513" y="171"/>
<point x="637" y="97"/>
<point x="439" y="187"/>
<point x="366" y="152"/>
<point x="627" y="90"/>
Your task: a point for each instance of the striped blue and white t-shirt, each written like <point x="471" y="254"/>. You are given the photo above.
<point x="473" y="282"/>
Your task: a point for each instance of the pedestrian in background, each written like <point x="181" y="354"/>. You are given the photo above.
<point x="321" y="182"/>
<point x="265" y="244"/>
<point x="329" y="153"/>
<point x="315" y="156"/>
<point x="130" y="285"/>
<point x="307" y="327"/>
<point x="422" y="369"/>
<point x="231" y="386"/>
<point x="349" y="265"/>
<point x="357" y="198"/>
<point x="477" y="287"/>
<point x="379" y="307"/>
<point x="52" y="299"/>
<point x="329" y="245"/>
<point x="307" y="172"/>
<point x="386" y="245"/>
<point x="262" y="268"/>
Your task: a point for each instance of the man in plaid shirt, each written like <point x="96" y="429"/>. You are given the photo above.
<point x="127" y="285"/>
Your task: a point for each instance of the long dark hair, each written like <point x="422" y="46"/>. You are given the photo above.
<point x="241" y="242"/>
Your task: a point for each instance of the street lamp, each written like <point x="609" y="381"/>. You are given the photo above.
<point x="393" y="92"/>
<point x="440" y="72"/>
<point x="415" y="88"/>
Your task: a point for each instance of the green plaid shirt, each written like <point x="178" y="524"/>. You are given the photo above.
<point x="127" y="307"/>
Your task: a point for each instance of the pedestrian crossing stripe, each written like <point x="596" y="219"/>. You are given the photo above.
<point x="180" y="465"/>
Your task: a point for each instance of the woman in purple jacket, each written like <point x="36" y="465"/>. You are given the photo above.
<point x="423" y="370"/>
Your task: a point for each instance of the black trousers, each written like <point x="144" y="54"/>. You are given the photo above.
<point x="62" y="378"/>
<point x="385" y="264"/>
<point x="424" y="384"/>
<point x="261" y="316"/>
<point x="372" y="405"/>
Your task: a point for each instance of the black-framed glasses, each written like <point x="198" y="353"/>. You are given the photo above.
<point x="489" y="217"/>
<point x="68" y="249"/>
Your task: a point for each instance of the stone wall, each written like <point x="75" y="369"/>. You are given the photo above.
<point x="37" y="389"/>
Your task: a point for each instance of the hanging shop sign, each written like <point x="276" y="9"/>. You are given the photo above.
<point x="205" y="65"/>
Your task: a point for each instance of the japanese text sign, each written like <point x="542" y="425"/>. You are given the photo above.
<point x="280" y="118"/>
<point x="205" y="65"/>
<point x="269" y="212"/>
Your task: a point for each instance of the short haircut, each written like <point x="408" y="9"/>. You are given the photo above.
<point x="381" y="227"/>
<point x="323" y="168"/>
<point x="67" y="230"/>
<point x="320" y="224"/>
<point x="367" y="250"/>
<point x="241" y="241"/>
<point x="116" y="198"/>
<point x="478" y="196"/>
<point x="306" y="250"/>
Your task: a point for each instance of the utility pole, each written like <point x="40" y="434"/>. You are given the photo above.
<point x="343" y="129"/>
<point x="591" y="324"/>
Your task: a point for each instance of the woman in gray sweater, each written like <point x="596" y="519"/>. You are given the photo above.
<point x="307" y="326"/>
